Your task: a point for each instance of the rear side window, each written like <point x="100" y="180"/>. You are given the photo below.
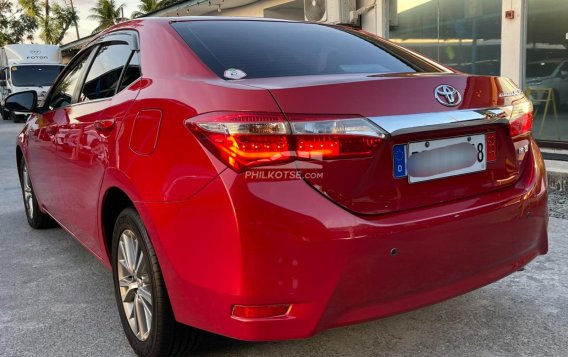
<point x="259" y="49"/>
<point x="104" y="75"/>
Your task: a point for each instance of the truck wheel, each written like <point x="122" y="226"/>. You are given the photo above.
<point x="16" y="118"/>
<point x="3" y="114"/>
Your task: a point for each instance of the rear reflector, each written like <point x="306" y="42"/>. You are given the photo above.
<point x="244" y="140"/>
<point x="260" y="312"/>
<point x="491" y="146"/>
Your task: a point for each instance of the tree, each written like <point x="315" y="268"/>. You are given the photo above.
<point x="15" y="25"/>
<point x="147" y="6"/>
<point x="107" y="13"/>
<point x="54" y="20"/>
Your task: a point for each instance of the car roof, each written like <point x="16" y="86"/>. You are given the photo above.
<point x="212" y="18"/>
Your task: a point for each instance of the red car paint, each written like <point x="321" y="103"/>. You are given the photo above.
<point x="354" y="245"/>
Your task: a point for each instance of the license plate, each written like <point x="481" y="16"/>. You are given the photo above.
<point x="436" y="159"/>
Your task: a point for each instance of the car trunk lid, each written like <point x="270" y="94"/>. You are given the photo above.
<point x="405" y="107"/>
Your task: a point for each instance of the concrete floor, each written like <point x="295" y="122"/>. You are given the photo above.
<point x="57" y="300"/>
<point x="551" y="127"/>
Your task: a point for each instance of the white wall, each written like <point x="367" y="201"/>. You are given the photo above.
<point x="512" y="41"/>
<point x="255" y="9"/>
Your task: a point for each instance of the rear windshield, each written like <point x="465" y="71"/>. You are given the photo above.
<point x="260" y="49"/>
<point x="34" y="76"/>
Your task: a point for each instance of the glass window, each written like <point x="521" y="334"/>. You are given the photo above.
<point x="132" y="72"/>
<point x="34" y="75"/>
<point x="546" y="71"/>
<point x="104" y="75"/>
<point x="62" y="94"/>
<point x="463" y="34"/>
<point x="274" y="49"/>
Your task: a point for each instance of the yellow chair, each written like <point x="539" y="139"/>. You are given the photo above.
<point x="543" y="96"/>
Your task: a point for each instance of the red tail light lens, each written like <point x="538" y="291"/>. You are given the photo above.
<point x="244" y="140"/>
<point x="521" y="119"/>
<point x="342" y="137"/>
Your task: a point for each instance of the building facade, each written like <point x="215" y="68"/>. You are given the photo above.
<point x="525" y="40"/>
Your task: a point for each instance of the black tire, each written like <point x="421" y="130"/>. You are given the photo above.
<point x="3" y="114"/>
<point x="36" y="218"/>
<point x="166" y="337"/>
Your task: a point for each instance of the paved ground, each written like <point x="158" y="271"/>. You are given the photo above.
<point x="57" y="300"/>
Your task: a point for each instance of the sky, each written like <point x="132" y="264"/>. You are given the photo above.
<point x="87" y="26"/>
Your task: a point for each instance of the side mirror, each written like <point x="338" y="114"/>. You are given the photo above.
<point x="563" y="74"/>
<point x="23" y="102"/>
<point x="2" y="83"/>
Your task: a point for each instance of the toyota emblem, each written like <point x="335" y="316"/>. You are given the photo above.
<point x="447" y="95"/>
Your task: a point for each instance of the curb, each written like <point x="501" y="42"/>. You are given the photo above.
<point x="557" y="173"/>
<point x="557" y="181"/>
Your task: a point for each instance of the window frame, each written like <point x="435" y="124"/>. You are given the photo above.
<point x="130" y="37"/>
<point x="87" y="55"/>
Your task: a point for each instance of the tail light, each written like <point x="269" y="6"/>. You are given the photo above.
<point x="521" y="119"/>
<point x="244" y="140"/>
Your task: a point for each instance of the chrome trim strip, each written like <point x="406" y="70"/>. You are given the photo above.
<point x="421" y="122"/>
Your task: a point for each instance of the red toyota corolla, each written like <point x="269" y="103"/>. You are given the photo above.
<point x="268" y="180"/>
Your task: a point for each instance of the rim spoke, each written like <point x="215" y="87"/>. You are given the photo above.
<point x="130" y="249"/>
<point x="122" y="263"/>
<point x="140" y="317"/>
<point x="140" y="265"/>
<point x="133" y="319"/>
<point x="146" y="295"/>
<point x="123" y="251"/>
<point x="128" y="289"/>
<point x="147" y="318"/>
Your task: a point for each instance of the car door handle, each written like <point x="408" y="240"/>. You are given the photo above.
<point x="104" y="124"/>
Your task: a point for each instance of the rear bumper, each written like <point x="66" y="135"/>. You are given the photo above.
<point x="258" y="243"/>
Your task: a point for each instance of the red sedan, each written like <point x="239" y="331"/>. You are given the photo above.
<point x="268" y="180"/>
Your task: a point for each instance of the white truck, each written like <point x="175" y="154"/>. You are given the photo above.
<point x="27" y="67"/>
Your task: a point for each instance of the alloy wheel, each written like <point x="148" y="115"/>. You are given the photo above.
<point x="135" y="284"/>
<point x="28" y="192"/>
